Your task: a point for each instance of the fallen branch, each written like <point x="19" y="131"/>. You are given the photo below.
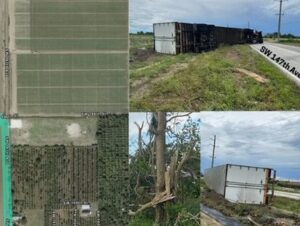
<point x="160" y="198"/>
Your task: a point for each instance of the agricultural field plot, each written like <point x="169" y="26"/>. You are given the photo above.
<point x="51" y="183"/>
<point x="113" y="177"/>
<point x="66" y="131"/>
<point x="56" y="179"/>
<point x="71" y="57"/>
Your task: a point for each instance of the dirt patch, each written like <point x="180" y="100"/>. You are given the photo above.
<point x="253" y="75"/>
<point x="22" y="135"/>
<point x="140" y="55"/>
<point x="142" y="86"/>
<point x="74" y="130"/>
<point x="208" y="221"/>
<point x="234" y="55"/>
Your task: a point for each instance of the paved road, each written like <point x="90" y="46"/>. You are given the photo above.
<point x="218" y="216"/>
<point x="290" y="195"/>
<point x="290" y="55"/>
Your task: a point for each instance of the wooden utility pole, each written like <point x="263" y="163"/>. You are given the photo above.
<point x="279" y="19"/>
<point x="213" y="154"/>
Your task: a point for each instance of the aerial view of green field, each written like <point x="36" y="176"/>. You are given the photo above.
<point x="228" y="78"/>
<point x="68" y="57"/>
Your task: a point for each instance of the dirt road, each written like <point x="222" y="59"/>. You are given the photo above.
<point x="289" y="195"/>
<point x="2" y="58"/>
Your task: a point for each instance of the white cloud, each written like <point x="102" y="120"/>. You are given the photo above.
<point x="261" y="14"/>
<point x="269" y="139"/>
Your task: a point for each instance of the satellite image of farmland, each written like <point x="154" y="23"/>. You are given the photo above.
<point x="65" y="57"/>
<point x="71" y="184"/>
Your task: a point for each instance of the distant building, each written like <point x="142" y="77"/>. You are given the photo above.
<point x="242" y="184"/>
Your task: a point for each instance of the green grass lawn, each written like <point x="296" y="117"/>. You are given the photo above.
<point x="209" y="82"/>
<point x="287" y="41"/>
<point x="294" y="42"/>
<point x="286" y="204"/>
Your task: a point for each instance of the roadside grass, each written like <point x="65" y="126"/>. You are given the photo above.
<point x="286" y="204"/>
<point x="210" y="82"/>
<point x="292" y="190"/>
<point x="294" y="42"/>
<point x="286" y="41"/>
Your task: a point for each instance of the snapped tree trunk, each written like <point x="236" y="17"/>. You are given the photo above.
<point x="160" y="143"/>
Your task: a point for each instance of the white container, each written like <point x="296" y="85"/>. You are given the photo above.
<point x="241" y="184"/>
<point x="165" y="37"/>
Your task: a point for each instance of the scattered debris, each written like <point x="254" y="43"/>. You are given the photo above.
<point x="251" y="74"/>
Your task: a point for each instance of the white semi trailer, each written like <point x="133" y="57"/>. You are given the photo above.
<point x="242" y="184"/>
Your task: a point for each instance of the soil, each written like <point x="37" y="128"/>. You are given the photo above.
<point x="140" y="87"/>
<point x="208" y="221"/>
<point x="140" y="55"/>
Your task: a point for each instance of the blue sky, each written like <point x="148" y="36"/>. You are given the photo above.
<point x="266" y="139"/>
<point x="261" y="14"/>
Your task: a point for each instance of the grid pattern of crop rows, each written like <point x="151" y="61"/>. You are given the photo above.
<point x="72" y="56"/>
<point x="113" y="175"/>
<point x="51" y="175"/>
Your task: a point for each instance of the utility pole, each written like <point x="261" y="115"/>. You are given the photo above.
<point x="213" y="155"/>
<point x="279" y="19"/>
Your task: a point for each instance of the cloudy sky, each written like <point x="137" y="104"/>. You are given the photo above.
<point x="266" y="139"/>
<point x="261" y="14"/>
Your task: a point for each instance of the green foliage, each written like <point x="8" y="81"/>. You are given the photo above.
<point x="183" y="140"/>
<point x="141" y="221"/>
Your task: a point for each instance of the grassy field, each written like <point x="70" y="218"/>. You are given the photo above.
<point x="73" y="57"/>
<point x="287" y="41"/>
<point x="287" y="204"/>
<point x="207" y="81"/>
<point x="295" y="42"/>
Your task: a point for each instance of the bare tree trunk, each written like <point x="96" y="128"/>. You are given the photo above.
<point x="160" y="143"/>
<point x="140" y="139"/>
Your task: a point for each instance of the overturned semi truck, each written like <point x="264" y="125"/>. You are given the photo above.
<point x="242" y="184"/>
<point x="175" y="38"/>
